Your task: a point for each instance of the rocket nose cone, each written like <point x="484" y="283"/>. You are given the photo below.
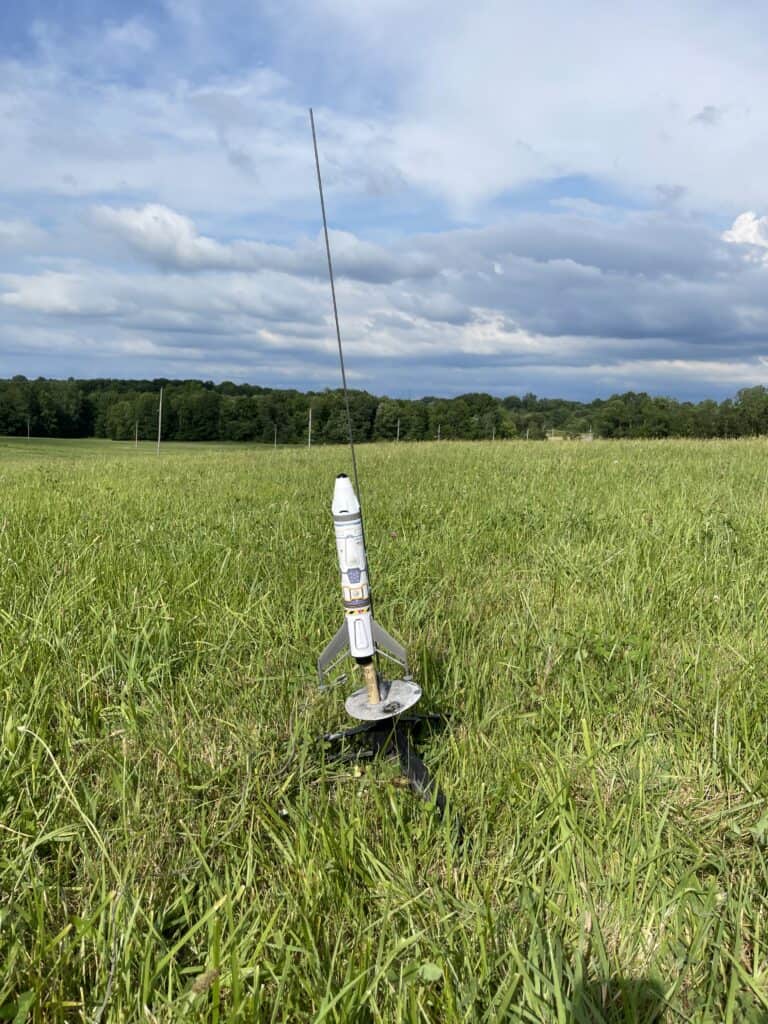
<point x="344" y="498"/>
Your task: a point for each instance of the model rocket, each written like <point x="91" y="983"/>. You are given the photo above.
<point x="360" y="635"/>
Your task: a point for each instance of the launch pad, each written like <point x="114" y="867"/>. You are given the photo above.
<point x="397" y="696"/>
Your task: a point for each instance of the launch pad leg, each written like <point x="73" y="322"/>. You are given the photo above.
<point x="392" y="737"/>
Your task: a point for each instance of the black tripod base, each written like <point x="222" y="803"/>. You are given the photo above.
<point x="391" y="738"/>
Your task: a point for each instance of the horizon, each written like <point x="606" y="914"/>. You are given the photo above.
<point x="159" y="213"/>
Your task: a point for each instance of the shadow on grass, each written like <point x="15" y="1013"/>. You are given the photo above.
<point x="620" y="1001"/>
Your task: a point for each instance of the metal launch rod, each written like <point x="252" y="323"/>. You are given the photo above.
<point x="335" y="307"/>
<point x="369" y="669"/>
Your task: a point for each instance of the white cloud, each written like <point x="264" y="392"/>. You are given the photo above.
<point x="702" y="372"/>
<point x="497" y="95"/>
<point x="171" y="239"/>
<point x="748" y="229"/>
<point x="54" y="293"/>
<point x="129" y="35"/>
<point x="236" y="144"/>
<point x="479" y="101"/>
<point x="20" y="234"/>
<point x="165" y="235"/>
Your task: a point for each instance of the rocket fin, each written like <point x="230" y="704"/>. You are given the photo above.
<point x="385" y="644"/>
<point x="332" y="650"/>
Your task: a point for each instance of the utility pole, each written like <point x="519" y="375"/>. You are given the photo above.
<point x="136" y="434"/>
<point x="398" y="429"/>
<point x="493" y="434"/>
<point x="438" y="431"/>
<point x="309" y="434"/>
<point x="159" y="421"/>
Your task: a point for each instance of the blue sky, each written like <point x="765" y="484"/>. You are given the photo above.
<point x="563" y="199"/>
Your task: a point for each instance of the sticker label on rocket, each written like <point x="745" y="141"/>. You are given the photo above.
<point x="362" y="639"/>
<point x="354" y="552"/>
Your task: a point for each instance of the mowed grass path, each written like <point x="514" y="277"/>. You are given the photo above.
<point x="593" y="619"/>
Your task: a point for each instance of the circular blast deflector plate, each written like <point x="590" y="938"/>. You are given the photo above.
<point x="401" y="695"/>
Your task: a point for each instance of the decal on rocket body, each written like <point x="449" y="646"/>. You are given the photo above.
<point x="350" y="546"/>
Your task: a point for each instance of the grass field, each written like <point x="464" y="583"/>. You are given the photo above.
<point x="593" y="619"/>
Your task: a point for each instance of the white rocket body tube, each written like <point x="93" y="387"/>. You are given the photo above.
<point x="360" y="634"/>
<point x="353" y="564"/>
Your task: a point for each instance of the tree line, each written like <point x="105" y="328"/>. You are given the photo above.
<point x="203" y="411"/>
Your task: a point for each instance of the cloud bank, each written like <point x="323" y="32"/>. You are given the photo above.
<point x="513" y="208"/>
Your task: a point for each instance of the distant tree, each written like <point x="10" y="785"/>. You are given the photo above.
<point x="17" y="407"/>
<point x="236" y="420"/>
<point x="194" y="412"/>
<point x="386" y="419"/>
<point x="752" y="407"/>
<point x="729" y="420"/>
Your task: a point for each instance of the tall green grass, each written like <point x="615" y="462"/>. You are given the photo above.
<point x="172" y="846"/>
